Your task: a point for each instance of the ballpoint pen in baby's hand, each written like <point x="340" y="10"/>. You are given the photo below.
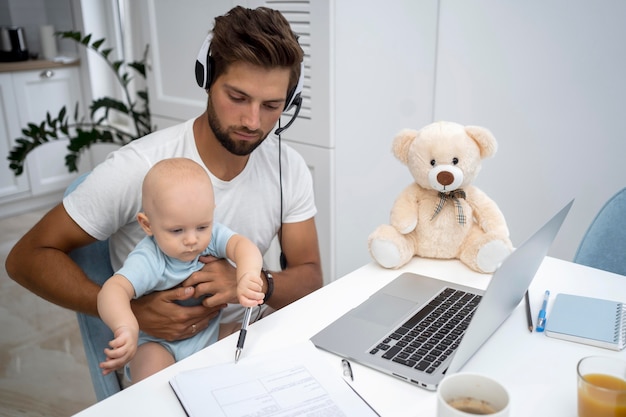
<point x="242" y="333"/>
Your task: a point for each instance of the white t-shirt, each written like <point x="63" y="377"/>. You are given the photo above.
<point x="107" y="202"/>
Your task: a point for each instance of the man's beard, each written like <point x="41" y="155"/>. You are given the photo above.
<point x="240" y="148"/>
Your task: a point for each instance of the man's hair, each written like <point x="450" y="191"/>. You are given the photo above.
<point x="260" y="36"/>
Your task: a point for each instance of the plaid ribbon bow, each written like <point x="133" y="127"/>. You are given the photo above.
<point x="454" y="195"/>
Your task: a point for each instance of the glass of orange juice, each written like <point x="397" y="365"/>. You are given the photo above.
<point x="601" y="387"/>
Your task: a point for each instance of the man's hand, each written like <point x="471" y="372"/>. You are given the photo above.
<point x="159" y="315"/>
<point x="218" y="279"/>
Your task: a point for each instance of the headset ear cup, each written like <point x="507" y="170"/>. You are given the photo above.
<point x="200" y="74"/>
<point x="204" y="64"/>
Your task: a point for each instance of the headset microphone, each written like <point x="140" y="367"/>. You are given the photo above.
<point x="298" y="103"/>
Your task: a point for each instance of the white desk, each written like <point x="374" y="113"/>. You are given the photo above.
<point x="540" y="372"/>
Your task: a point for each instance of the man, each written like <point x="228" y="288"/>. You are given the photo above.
<point x="255" y="64"/>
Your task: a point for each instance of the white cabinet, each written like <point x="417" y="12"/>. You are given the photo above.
<point x="25" y="97"/>
<point x="175" y="32"/>
<point x="38" y="92"/>
<point x="10" y="185"/>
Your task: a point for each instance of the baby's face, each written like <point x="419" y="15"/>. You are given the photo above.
<point x="182" y="223"/>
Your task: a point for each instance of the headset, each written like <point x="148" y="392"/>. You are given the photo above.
<point x="204" y="78"/>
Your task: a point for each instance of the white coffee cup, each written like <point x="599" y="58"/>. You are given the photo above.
<point x="466" y="394"/>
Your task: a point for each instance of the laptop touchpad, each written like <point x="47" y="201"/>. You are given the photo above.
<point x="383" y="309"/>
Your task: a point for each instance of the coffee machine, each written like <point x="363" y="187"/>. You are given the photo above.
<point x="13" y="44"/>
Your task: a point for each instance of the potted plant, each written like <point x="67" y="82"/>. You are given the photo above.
<point x="84" y="131"/>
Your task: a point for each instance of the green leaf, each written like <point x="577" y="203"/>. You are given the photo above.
<point x="74" y="35"/>
<point x="97" y="44"/>
<point x="106" y="136"/>
<point x="140" y="67"/>
<point x="71" y="162"/>
<point x="116" y="65"/>
<point x="108" y="104"/>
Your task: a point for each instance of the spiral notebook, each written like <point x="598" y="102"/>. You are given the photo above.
<point x="588" y="320"/>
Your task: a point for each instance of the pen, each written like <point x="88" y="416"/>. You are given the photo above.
<point x="541" y="319"/>
<point x="529" y="317"/>
<point x="242" y="333"/>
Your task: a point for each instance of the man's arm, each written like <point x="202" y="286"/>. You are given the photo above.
<point x="303" y="274"/>
<point x="39" y="262"/>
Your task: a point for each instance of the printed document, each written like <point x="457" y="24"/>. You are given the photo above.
<point x="293" y="381"/>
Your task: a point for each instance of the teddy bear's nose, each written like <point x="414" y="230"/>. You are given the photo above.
<point x="445" y="178"/>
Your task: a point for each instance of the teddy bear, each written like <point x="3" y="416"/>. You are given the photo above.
<point x="441" y="214"/>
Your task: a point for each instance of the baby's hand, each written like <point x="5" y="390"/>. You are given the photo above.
<point x="121" y="351"/>
<point x="250" y="290"/>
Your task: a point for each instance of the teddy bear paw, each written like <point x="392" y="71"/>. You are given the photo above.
<point x="491" y="255"/>
<point x="386" y="253"/>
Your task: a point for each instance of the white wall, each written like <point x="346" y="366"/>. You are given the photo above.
<point x="384" y="72"/>
<point x="548" y="78"/>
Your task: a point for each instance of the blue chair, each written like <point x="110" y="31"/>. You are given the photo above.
<point x="95" y="262"/>
<point x="604" y="243"/>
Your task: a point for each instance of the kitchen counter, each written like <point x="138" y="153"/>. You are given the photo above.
<point x="34" y="64"/>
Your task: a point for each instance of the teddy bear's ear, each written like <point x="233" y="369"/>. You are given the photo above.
<point x="401" y="144"/>
<point x="485" y="140"/>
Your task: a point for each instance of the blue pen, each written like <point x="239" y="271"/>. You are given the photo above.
<point x="541" y="319"/>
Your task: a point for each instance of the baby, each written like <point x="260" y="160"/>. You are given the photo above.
<point x="178" y="205"/>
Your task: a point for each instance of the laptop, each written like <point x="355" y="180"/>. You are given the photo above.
<point x="418" y="328"/>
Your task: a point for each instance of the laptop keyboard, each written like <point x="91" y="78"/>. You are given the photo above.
<point x="430" y="336"/>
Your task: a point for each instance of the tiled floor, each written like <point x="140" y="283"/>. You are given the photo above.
<point x="43" y="370"/>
